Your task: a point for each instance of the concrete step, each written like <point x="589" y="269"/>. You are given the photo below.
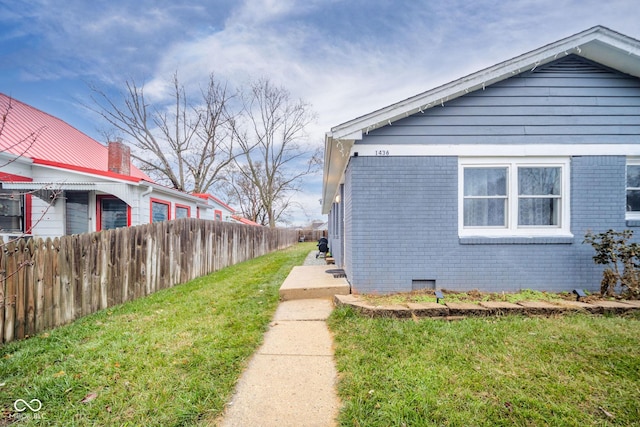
<point x="314" y="281"/>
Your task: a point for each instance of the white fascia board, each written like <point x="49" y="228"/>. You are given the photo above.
<point x="496" y="150"/>
<point x="336" y="155"/>
<point x="100" y="178"/>
<point x="598" y="44"/>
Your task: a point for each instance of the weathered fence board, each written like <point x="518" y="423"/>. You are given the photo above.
<point x="45" y="284"/>
<point x="11" y="271"/>
<point x="30" y="279"/>
<point x="2" y="292"/>
<point x="21" y="291"/>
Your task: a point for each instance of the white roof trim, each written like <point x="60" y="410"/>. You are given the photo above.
<point x="598" y="44"/>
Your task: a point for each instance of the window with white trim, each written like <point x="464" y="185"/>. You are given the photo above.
<point x="633" y="189"/>
<point x="513" y="197"/>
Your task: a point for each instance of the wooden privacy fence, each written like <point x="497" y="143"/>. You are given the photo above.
<point x="48" y="283"/>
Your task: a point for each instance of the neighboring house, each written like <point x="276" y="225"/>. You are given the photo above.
<point x="319" y="225"/>
<point x="221" y="211"/>
<point x="224" y="212"/>
<point x="55" y="180"/>
<point x="490" y="182"/>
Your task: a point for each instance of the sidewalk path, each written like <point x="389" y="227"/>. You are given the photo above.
<point x="290" y="381"/>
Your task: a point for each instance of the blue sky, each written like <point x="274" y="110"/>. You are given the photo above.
<point x="345" y="57"/>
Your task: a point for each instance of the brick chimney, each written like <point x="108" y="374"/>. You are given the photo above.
<point x="119" y="158"/>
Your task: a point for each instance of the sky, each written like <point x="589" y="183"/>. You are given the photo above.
<point x="346" y="58"/>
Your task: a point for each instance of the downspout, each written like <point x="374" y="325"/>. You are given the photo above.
<point x="146" y="192"/>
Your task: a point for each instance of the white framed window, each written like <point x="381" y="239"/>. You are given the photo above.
<point x="633" y="189"/>
<point x="518" y="196"/>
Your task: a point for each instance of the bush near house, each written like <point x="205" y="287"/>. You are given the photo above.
<point x="622" y="261"/>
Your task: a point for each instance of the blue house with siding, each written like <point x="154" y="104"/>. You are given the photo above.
<point x="490" y="182"/>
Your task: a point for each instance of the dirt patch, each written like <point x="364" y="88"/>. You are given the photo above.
<point x="475" y="296"/>
<point x="526" y="302"/>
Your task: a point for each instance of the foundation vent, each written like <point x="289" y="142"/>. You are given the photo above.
<point x="418" y="285"/>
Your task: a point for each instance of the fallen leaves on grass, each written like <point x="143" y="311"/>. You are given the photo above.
<point x="89" y="397"/>
<point x="607" y="413"/>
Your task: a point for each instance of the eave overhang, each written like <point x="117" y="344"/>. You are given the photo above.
<point x="598" y="44"/>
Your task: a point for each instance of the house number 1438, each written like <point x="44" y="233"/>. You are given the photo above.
<point x="382" y="152"/>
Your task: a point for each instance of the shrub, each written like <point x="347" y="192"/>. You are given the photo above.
<point x="622" y="260"/>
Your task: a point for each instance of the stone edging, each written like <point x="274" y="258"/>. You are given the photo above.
<point x="489" y="308"/>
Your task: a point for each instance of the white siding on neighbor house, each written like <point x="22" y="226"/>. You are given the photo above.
<point x="15" y="166"/>
<point x="50" y="174"/>
<point x="47" y="220"/>
<point x="143" y="205"/>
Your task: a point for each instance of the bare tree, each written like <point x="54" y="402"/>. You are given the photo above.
<point x="185" y="145"/>
<point x="240" y="192"/>
<point x="270" y="136"/>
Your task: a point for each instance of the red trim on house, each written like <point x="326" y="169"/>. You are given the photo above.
<point x="99" y="199"/>
<point x="162" y="202"/>
<point x="9" y="177"/>
<point x="87" y="170"/>
<point x="178" y="205"/>
<point x="216" y="213"/>
<point x="99" y="211"/>
<point x="28" y="209"/>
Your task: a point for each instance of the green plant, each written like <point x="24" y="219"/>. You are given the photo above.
<point x="621" y="258"/>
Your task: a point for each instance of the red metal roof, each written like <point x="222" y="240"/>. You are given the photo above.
<point x="34" y="134"/>
<point x="245" y="221"/>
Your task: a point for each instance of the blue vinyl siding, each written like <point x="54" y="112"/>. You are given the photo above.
<point x="401" y="213"/>
<point x="568" y="101"/>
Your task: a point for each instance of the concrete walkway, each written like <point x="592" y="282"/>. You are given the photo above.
<point x="290" y="380"/>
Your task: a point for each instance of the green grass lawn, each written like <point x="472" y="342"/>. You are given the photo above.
<point x="170" y="359"/>
<point x="571" y="370"/>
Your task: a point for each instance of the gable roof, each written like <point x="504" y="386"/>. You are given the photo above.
<point x="218" y="202"/>
<point x="245" y="221"/>
<point x="47" y="140"/>
<point x="598" y="44"/>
